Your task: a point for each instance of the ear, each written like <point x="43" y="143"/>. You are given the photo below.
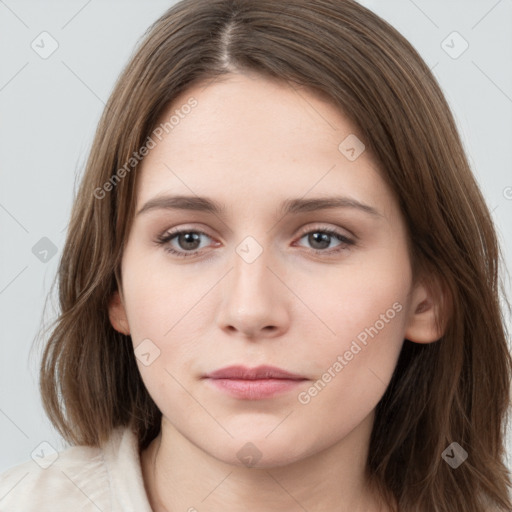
<point x="117" y="314"/>
<point x="428" y="314"/>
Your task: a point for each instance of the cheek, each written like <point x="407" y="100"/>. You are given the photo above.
<point x="160" y="301"/>
<point x="361" y="299"/>
<point x="366" y="308"/>
<point x="353" y="372"/>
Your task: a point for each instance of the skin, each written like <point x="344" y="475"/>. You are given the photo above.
<point x="250" y="143"/>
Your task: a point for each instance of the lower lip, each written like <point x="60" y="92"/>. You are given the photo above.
<point x="256" y="389"/>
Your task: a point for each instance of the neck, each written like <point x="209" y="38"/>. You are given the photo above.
<point x="180" y="476"/>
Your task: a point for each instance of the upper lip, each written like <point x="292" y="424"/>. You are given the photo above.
<point x="260" y="372"/>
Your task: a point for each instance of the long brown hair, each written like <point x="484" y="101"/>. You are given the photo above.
<point x="454" y="390"/>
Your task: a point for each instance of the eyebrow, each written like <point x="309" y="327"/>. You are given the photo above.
<point x="204" y="204"/>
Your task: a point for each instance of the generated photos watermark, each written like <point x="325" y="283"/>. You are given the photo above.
<point x="149" y="144"/>
<point x="304" y="397"/>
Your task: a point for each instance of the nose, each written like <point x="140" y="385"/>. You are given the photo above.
<point x="255" y="300"/>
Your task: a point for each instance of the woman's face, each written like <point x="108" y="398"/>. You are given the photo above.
<point x="261" y="280"/>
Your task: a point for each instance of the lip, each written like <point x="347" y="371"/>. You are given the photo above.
<point x="254" y="383"/>
<point x="260" y="372"/>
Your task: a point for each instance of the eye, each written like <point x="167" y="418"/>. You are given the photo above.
<point x="185" y="243"/>
<point x="321" y="238"/>
<point x="188" y="241"/>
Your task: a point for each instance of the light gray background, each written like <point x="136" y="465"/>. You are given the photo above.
<point x="49" y="109"/>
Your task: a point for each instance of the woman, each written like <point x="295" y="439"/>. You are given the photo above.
<point x="279" y="288"/>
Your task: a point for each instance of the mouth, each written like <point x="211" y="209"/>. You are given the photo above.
<point x="253" y="383"/>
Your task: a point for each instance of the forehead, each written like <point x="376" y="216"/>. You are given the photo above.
<point x="248" y="138"/>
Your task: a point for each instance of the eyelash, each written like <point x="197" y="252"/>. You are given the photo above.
<point x="165" y="238"/>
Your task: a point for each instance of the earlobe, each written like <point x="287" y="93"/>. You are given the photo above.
<point x="117" y="314"/>
<point x="425" y="323"/>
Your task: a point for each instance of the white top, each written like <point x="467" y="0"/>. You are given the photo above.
<point x="78" y="479"/>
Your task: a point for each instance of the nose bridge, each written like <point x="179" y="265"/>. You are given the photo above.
<point x="251" y="277"/>
<point x="252" y="301"/>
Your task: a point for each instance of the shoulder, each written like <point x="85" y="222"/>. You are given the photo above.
<point x="65" y="479"/>
<point x="78" y="478"/>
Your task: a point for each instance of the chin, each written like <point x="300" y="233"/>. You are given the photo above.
<point x="258" y="452"/>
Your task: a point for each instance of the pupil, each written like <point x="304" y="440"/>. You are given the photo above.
<point x="322" y="238"/>
<point x="189" y="238"/>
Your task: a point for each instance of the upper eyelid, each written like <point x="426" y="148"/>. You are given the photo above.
<point x="339" y="230"/>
